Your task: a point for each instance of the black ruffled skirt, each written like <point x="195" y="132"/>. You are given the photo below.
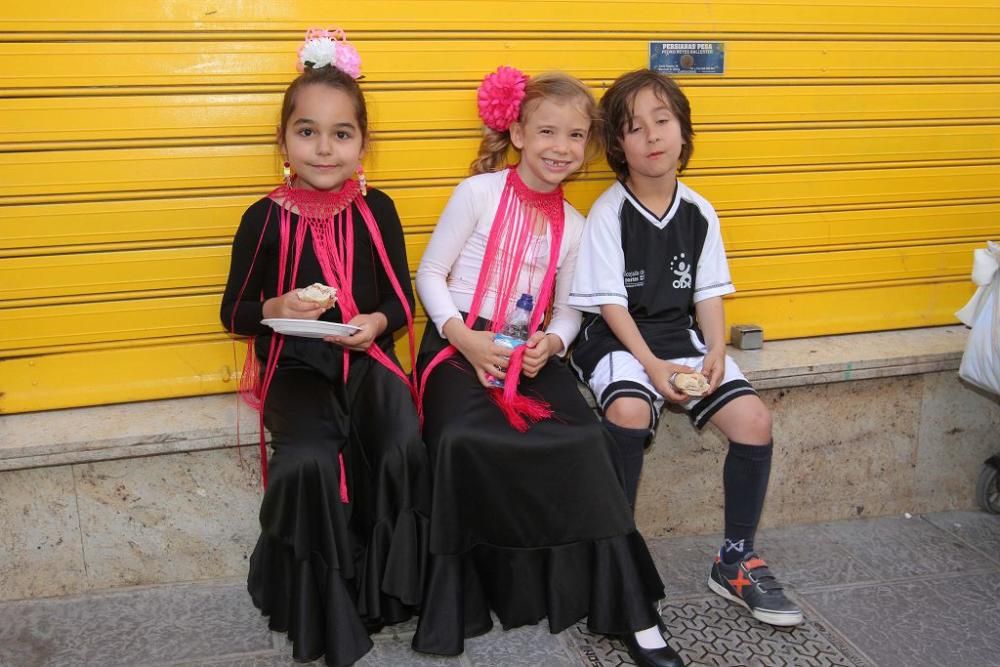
<point x="529" y="525"/>
<point x="326" y="572"/>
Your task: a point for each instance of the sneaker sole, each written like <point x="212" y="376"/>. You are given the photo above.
<point x="782" y="619"/>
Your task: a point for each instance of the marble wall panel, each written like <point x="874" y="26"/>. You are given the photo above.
<point x="959" y="429"/>
<point x="681" y="488"/>
<point x="844" y="449"/>
<point x="168" y="518"/>
<point x="40" y="549"/>
<point x="841" y="450"/>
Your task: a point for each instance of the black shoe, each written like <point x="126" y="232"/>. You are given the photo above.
<point x="651" y="657"/>
<point x="750" y="583"/>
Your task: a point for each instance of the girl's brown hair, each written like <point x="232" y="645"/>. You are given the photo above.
<point x="618" y="105"/>
<point x="551" y="85"/>
<point x="328" y="76"/>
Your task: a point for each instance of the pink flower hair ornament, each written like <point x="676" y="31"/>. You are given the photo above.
<point x="500" y="96"/>
<point x="323" y="48"/>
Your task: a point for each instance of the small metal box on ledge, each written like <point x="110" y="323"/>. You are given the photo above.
<point x="747" y="336"/>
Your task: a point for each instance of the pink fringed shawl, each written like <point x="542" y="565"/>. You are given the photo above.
<point x="505" y="256"/>
<point x="329" y="219"/>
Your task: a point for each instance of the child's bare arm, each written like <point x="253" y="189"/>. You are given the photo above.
<point x="712" y="322"/>
<point x="658" y="370"/>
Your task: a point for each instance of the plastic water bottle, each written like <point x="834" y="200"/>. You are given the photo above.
<point x="515" y="330"/>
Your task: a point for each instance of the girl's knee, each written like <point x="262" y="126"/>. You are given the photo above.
<point x="629" y="413"/>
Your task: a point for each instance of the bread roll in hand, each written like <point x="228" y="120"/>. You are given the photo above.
<point x="319" y="293"/>
<point x="692" y="384"/>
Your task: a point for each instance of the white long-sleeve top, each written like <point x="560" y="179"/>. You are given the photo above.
<point x="449" y="269"/>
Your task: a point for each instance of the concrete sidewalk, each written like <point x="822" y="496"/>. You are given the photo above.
<point x="886" y="591"/>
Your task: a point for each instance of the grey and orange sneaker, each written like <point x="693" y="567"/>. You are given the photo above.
<point x="749" y="582"/>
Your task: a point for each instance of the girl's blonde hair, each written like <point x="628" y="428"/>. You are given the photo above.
<point x="549" y="86"/>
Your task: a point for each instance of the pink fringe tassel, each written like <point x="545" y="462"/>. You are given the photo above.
<point x="521" y="411"/>
<point x="503" y="259"/>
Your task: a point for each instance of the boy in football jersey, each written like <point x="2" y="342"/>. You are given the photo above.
<point x="652" y="272"/>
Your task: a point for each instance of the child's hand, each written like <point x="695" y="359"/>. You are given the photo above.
<point x="485" y="356"/>
<point x="372" y="325"/>
<point x="537" y="351"/>
<point x="714" y="368"/>
<point x="660" y="372"/>
<point x="289" y="305"/>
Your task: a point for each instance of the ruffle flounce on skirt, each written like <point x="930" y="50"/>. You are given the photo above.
<point x="326" y="572"/>
<point x="319" y="583"/>
<point x="610" y="581"/>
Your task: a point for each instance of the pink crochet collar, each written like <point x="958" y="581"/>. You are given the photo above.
<point x="549" y="203"/>
<point x="316" y="204"/>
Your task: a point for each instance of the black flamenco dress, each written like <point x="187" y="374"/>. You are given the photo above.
<point x="528" y="525"/>
<point x="324" y="571"/>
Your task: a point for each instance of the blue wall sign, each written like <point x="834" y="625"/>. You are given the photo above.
<point x="687" y="57"/>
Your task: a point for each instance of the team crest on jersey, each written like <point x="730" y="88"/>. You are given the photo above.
<point x="635" y="278"/>
<point x="682" y="269"/>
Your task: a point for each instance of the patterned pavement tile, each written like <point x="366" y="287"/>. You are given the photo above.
<point x="799" y="555"/>
<point x="806" y="556"/>
<point x="710" y="631"/>
<point x="684" y="562"/>
<point x="278" y="659"/>
<point x="946" y="622"/>
<point x="526" y="646"/>
<point x="399" y="632"/>
<point x="150" y="625"/>
<point x="387" y="652"/>
<point x="896" y="547"/>
<point x="876" y="592"/>
<point x="398" y="653"/>
<point x="981" y="530"/>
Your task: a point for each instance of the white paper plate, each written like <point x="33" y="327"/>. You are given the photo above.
<point x="309" y="328"/>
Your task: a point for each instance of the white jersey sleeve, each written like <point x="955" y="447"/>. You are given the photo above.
<point x="712" y="275"/>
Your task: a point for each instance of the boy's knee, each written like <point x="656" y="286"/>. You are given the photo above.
<point x="629" y="412"/>
<point x="759" y="423"/>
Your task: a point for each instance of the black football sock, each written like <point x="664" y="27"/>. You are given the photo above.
<point x="631" y="445"/>
<point x="744" y="482"/>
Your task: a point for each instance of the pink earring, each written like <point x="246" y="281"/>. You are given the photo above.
<point x="362" y="181"/>
<point x="286" y="171"/>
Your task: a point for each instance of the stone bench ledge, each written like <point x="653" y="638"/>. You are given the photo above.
<point x="104" y="432"/>
<point x="83" y="435"/>
<point x="824" y="359"/>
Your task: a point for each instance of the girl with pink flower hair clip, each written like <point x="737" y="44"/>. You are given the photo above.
<point x="529" y="518"/>
<point x="343" y="518"/>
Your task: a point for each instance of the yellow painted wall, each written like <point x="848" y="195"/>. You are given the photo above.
<point x="852" y="149"/>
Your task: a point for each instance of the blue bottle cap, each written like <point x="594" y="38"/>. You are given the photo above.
<point x="526" y="302"/>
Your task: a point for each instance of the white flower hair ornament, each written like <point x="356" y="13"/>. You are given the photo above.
<point x="325" y="48"/>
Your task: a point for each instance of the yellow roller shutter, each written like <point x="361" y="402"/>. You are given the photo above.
<point x="852" y="151"/>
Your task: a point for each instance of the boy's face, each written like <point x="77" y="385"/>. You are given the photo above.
<point x="653" y="142"/>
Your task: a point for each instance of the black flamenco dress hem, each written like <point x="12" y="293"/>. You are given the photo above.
<point x="612" y="582"/>
<point x="328" y="610"/>
<point x="528" y="525"/>
<point x="327" y="572"/>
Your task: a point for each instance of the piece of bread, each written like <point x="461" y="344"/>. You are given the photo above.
<point x="319" y="293"/>
<point x="692" y="384"/>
